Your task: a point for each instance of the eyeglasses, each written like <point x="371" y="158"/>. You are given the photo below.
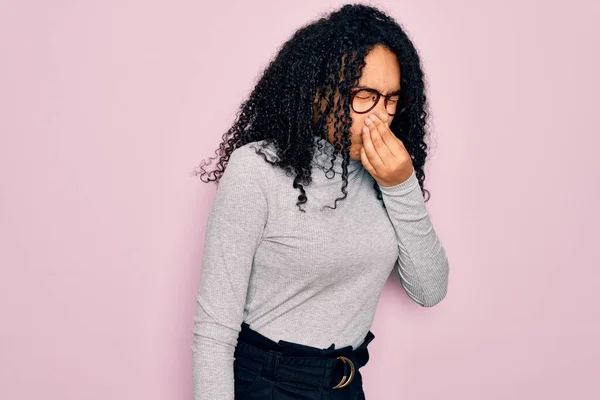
<point x="365" y="99"/>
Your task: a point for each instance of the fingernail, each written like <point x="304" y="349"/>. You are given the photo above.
<point x="373" y="117"/>
<point x="367" y="121"/>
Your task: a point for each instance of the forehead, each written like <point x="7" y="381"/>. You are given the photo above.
<point x="381" y="70"/>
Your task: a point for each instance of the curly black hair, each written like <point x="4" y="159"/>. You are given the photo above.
<point x="320" y="60"/>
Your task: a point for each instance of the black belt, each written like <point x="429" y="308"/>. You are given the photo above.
<point x="284" y="360"/>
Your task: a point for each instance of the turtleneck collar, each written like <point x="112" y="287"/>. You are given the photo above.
<point x="324" y="154"/>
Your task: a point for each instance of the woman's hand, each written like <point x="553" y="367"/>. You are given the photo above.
<point x="382" y="154"/>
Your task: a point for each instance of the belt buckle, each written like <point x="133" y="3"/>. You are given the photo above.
<point x="343" y="383"/>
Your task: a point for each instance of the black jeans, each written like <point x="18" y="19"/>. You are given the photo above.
<point x="269" y="370"/>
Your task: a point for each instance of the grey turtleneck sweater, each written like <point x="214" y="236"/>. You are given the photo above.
<point x="313" y="278"/>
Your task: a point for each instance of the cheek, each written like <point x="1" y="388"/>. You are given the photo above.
<point x="358" y="121"/>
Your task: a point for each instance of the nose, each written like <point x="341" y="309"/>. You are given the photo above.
<point x="380" y="108"/>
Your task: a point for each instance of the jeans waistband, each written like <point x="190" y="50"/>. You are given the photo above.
<point x="298" y="362"/>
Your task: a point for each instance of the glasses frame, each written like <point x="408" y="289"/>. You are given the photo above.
<point x="354" y="91"/>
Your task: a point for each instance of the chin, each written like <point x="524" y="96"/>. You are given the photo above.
<point x="355" y="156"/>
<point x="355" y="151"/>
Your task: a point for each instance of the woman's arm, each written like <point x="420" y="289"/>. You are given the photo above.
<point x="422" y="263"/>
<point x="234" y="229"/>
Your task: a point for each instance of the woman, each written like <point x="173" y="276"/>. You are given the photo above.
<point x="290" y="284"/>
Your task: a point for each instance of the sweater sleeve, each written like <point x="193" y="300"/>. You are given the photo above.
<point x="422" y="263"/>
<point x="234" y="228"/>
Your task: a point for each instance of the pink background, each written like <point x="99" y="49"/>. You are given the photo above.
<point x="107" y="107"/>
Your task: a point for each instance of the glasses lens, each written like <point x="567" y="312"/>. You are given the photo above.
<point x="363" y="100"/>
<point x="393" y="104"/>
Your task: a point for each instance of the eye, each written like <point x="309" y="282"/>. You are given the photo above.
<point x="394" y="98"/>
<point x="365" y="94"/>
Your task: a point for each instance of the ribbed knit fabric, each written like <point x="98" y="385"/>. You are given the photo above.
<point x="312" y="278"/>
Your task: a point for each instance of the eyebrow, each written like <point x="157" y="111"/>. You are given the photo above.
<point x="367" y="87"/>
